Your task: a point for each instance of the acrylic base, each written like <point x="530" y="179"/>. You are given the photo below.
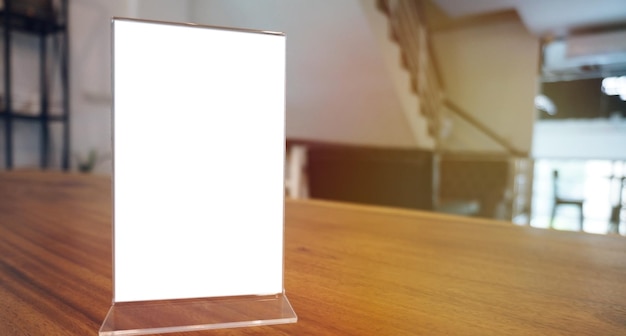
<point x="155" y="317"/>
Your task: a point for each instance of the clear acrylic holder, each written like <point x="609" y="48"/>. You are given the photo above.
<point x="187" y="244"/>
<point x="142" y="318"/>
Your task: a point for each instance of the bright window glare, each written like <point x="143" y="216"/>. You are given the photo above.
<point x="615" y="86"/>
<point x="544" y="103"/>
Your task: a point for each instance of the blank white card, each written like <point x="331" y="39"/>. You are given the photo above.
<point x="198" y="142"/>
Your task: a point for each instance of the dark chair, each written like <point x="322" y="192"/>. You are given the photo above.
<point x="616" y="209"/>
<point x="371" y="175"/>
<point x="558" y="200"/>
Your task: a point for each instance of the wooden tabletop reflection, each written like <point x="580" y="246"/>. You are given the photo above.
<point x="349" y="270"/>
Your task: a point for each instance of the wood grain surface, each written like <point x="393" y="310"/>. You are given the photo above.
<point x="349" y="270"/>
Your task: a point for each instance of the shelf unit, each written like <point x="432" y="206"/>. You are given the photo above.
<point x="48" y="24"/>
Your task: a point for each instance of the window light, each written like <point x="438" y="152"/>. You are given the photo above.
<point x="615" y="86"/>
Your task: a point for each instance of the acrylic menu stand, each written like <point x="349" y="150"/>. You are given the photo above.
<point x="198" y="144"/>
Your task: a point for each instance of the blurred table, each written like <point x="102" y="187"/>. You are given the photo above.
<point x="349" y="270"/>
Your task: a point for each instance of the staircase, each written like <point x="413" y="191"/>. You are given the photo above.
<point x="405" y="84"/>
<point x="511" y="170"/>
<point x="407" y="28"/>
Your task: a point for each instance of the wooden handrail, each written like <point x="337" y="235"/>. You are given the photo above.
<point x="483" y="128"/>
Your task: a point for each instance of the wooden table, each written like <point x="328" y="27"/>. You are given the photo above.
<point x="349" y="270"/>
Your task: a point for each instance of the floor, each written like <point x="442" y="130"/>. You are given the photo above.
<point x="586" y="179"/>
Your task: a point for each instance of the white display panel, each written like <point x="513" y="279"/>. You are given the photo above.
<point x="198" y="161"/>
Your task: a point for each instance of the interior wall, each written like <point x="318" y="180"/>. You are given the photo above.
<point x="90" y="69"/>
<point x="338" y="89"/>
<point x="90" y="80"/>
<point x="90" y="84"/>
<point x="490" y="70"/>
<point x="602" y="139"/>
<point x="161" y="10"/>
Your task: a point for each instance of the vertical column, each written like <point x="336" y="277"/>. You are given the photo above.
<point x="8" y="122"/>
<point x="43" y="91"/>
<point x="65" y="83"/>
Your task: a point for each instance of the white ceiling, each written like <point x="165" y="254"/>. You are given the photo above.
<point x="543" y="17"/>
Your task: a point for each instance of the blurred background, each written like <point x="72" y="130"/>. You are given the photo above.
<point x="463" y="107"/>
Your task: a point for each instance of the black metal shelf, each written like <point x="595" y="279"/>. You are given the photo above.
<point x="30" y="24"/>
<point x="45" y="23"/>
<point x="30" y="116"/>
